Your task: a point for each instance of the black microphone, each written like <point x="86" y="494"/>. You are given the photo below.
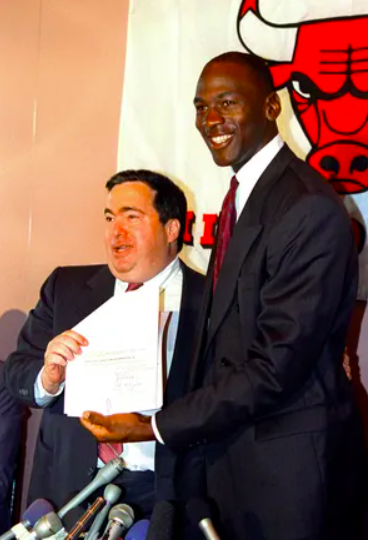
<point x="161" y="525"/>
<point x="121" y="519"/>
<point x="200" y="514"/>
<point x="111" y="495"/>
<point x="31" y="515"/>
<point x="87" y="517"/>
<point x="104" y="476"/>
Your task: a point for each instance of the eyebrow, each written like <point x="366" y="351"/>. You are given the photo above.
<point x="220" y="96"/>
<point x="124" y="209"/>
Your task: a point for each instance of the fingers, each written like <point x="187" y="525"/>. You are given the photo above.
<point x="96" y="418"/>
<point x="97" y="424"/>
<point x="59" y="352"/>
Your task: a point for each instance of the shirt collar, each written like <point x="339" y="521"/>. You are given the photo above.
<point x="160" y="280"/>
<point x="250" y="173"/>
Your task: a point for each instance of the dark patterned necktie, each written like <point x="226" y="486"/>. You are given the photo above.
<point x="109" y="451"/>
<point x="225" y="228"/>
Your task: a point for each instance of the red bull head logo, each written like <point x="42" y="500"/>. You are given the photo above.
<point x="325" y="69"/>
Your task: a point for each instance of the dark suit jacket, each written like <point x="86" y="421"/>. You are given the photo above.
<point x="273" y="416"/>
<point x="66" y="453"/>
<point x="12" y="417"/>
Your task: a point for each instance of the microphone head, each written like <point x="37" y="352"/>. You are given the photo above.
<point x="108" y="472"/>
<point x="123" y="514"/>
<point x="36" y="510"/>
<point x="47" y="525"/>
<point x="161" y="525"/>
<point x="112" y="493"/>
<point x="138" y="531"/>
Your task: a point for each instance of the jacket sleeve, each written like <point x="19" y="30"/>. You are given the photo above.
<point x="310" y="286"/>
<point x="24" y="364"/>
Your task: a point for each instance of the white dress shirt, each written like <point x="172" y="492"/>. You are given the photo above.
<point x="251" y="172"/>
<point x="169" y="284"/>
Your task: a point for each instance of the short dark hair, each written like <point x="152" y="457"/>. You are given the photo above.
<point x="257" y="64"/>
<point x="169" y="199"/>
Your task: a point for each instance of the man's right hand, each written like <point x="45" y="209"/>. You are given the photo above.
<point x="59" y="352"/>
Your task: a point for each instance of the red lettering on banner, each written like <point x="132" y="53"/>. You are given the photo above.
<point x="188" y="233"/>
<point x="208" y="237"/>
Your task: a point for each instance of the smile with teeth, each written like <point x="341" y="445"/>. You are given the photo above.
<point x="121" y="248"/>
<point x="220" y="139"/>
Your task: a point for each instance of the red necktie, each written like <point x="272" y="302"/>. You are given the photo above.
<point x="109" y="451"/>
<point x="225" y="228"/>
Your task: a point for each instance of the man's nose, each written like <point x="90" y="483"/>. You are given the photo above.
<point x="118" y="227"/>
<point x="213" y="117"/>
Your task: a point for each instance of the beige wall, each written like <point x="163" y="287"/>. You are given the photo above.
<point x="61" y="76"/>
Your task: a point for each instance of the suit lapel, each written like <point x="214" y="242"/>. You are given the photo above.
<point x="249" y="226"/>
<point x="102" y="286"/>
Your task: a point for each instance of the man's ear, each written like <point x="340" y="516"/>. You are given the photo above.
<point x="172" y="230"/>
<point x="272" y="106"/>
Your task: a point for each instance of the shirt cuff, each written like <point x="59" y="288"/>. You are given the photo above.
<point x="155" y="429"/>
<point x="42" y="397"/>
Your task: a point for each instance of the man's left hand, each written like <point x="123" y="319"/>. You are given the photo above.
<point x="132" y="427"/>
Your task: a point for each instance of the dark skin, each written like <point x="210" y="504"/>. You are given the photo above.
<point x="233" y="103"/>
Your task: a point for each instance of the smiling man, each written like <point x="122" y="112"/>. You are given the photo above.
<point x="270" y="412"/>
<point x="144" y="225"/>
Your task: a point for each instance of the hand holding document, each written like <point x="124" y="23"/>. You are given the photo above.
<point x="120" y="370"/>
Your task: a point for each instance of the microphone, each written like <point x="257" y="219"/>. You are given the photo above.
<point x="104" y="476"/>
<point x="199" y="514"/>
<point x="111" y="495"/>
<point x="46" y="526"/>
<point x="138" y="531"/>
<point x="121" y="519"/>
<point x="161" y="525"/>
<point x="82" y="523"/>
<point x="37" y="509"/>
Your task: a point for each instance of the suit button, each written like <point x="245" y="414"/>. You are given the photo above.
<point x="237" y="307"/>
<point x="225" y="362"/>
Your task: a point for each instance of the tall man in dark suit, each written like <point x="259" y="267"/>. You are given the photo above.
<point x="145" y="219"/>
<point x="270" y="411"/>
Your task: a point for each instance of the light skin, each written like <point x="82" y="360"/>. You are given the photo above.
<point x="138" y="247"/>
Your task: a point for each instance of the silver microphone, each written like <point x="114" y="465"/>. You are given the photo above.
<point x="46" y="526"/>
<point x="111" y="495"/>
<point x="104" y="476"/>
<point x="121" y="518"/>
<point x="199" y="514"/>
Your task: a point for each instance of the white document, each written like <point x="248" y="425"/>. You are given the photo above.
<point x="120" y="370"/>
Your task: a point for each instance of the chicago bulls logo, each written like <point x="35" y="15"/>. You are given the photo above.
<point x="324" y="65"/>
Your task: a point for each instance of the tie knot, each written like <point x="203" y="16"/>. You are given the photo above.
<point x="234" y="183"/>
<point x="133" y="286"/>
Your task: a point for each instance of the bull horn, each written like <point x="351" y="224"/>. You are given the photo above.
<point x="270" y="42"/>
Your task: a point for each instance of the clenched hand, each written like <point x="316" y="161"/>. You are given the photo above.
<point x="59" y="352"/>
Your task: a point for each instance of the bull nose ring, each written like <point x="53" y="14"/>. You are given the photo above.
<point x="359" y="163"/>
<point x="330" y="164"/>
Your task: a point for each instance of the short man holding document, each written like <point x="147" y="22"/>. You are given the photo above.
<point x="145" y="218"/>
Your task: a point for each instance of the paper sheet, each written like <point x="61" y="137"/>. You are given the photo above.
<point x="120" y="370"/>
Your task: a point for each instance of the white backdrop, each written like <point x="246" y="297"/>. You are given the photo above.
<point x="169" y="42"/>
